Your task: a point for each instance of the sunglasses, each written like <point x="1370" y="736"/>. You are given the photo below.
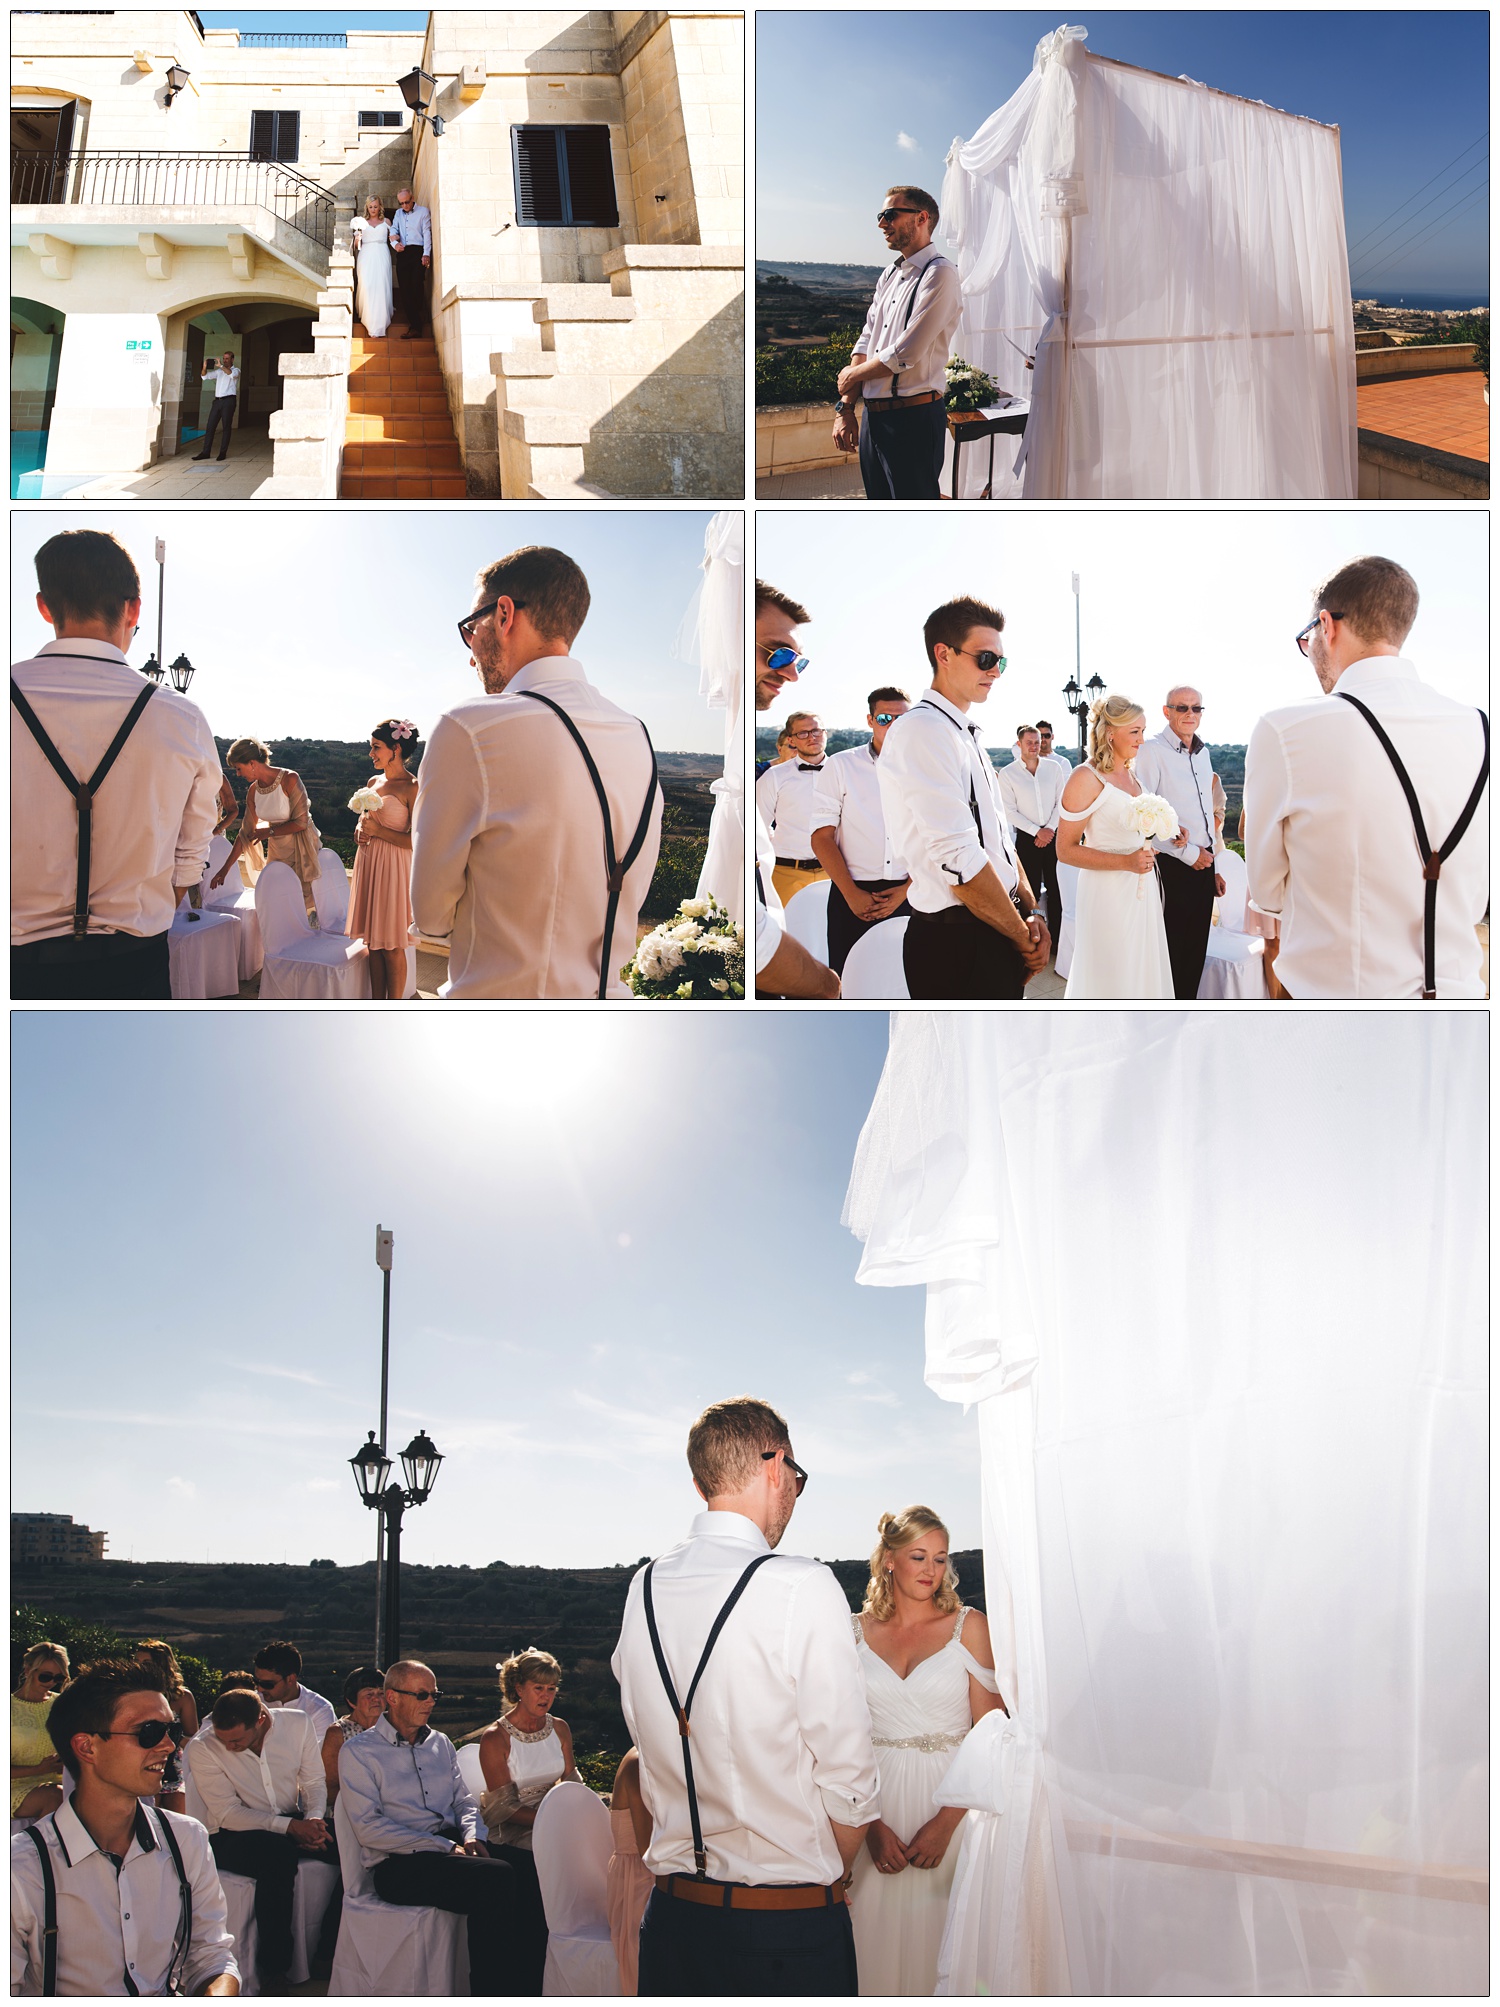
<point x="795" y="1468"/>
<point x="1312" y="625"/>
<point x="786" y="658"/>
<point x="888" y="717"/>
<point x="471" y="620"/>
<point x="986" y="658"/>
<point x="885" y="215"/>
<point x="267" y="1685"/>
<point x="49" y="1678"/>
<point x="1196" y="709"/>
<point x="147" y="1733"/>
<point x="418" y="1692"/>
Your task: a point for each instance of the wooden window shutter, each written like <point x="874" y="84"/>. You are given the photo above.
<point x="591" y="176"/>
<point x="539" y="191"/>
<point x="288" y="130"/>
<point x="263" y="135"/>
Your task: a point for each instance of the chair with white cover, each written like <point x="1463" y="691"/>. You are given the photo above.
<point x="203" y="950"/>
<point x="386" y="1950"/>
<point x="571" y="1844"/>
<point x="1067" y="885"/>
<point x="472" y="1771"/>
<point x="331" y="891"/>
<point x="875" y="967"/>
<point x="315" y="1888"/>
<point x="806" y="918"/>
<point x="239" y="1890"/>
<point x="299" y="964"/>
<point x="233" y="896"/>
<point x="1234" y="965"/>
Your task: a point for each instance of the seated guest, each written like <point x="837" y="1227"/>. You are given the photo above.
<point x="629" y="1883"/>
<point x="416" y="1825"/>
<point x="153" y="1652"/>
<point x="277" y="813"/>
<point x="523" y="1755"/>
<point x="364" y="1697"/>
<point x="125" y="1874"/>
<point x="35" y="1766"/>
<point x="255" y="1770"/>
<point x="278" y="1668"/>
<point x="234" y="1680"/>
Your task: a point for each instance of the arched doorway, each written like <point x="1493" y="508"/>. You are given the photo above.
<point x="259" y="333"/>
<point x="35" y="346"/>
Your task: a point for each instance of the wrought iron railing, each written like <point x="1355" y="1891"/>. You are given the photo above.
<point x="174" y="181"/>
<point x="270" y="39"/>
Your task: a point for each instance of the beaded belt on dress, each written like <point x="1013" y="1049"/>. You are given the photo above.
<point x="931" y="1743"/>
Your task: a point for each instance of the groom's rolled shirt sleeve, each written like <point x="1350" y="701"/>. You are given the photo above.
<point x="925" y="794"/>
<point x="448" y="816"/>
<point x="1266" y="792"/>
<point x="833" y="1715"/>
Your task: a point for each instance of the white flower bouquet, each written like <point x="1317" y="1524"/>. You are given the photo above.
<point x="699" y="955"/>
<point x="1151" y="815"/>
<point x="364" y="801"/>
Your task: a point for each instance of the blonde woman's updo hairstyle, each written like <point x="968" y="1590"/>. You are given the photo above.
<point x="1104" y="717"/>
<point x="164" y="1659"/>
<point x="898" y="1530"/>
<point x="522" y="1666"/>
<point x="244" y="752"/>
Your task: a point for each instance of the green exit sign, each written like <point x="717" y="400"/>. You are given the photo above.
<point x="133" y="345"/>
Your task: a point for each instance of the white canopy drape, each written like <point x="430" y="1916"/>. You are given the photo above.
<point x="1175" y="261"/>
<point x="1217" y="1286"/>
<point x="713" y="636"/>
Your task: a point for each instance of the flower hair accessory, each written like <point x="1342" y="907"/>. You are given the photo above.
<point x="403" y="728"/>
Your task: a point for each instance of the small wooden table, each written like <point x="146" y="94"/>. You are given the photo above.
<point x="967" y="428"/>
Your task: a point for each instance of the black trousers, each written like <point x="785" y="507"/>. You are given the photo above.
<point x="1187" y="898"/>
<point x="221" y="414"/>
<point x="50" y="972"/>
<point x="475" y="1886"/>
<point x="952" y="961"/>
<point x="270" y="1859"/>
<point x="901" y="453"/>
<point x="843" y="929"/>
<point x="411" y="287"/>
<point x="1039" y="862"/>
<point x="690" y="1948"/>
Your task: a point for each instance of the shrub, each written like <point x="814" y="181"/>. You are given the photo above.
<point x="803" y="375"/>
<point x="676" y="876"/>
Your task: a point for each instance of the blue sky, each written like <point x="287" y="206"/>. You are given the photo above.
<point x="335" y="20"/>
<point x="1206" y="596"/>
<point x="602" y="1223"/>
<point x="1408" y="90"/>
<point x="315" y="624"/>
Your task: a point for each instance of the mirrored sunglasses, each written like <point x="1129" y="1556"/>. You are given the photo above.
<point x="787" y="658"/>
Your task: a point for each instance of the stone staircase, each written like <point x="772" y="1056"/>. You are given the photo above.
<point x="399" y="443"/>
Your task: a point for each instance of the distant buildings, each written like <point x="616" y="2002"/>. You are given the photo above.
<point x="42" y="1537"/>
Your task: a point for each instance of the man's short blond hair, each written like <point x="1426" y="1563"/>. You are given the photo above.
<point x="726" y="1445"/>
<point x="1375" y="595"/>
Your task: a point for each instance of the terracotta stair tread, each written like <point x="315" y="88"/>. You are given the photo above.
<point x="399" y="443"/>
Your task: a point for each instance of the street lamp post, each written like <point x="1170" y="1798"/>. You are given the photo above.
<point x="372" y="1469"/>
<point x="385" y="1242"/>
<point x="182" y="671"/>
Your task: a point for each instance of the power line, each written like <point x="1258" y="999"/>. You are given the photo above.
<point x="1416" y="192"/>
<point x="1465" y="203"/>
<point x="1371" y="249"/>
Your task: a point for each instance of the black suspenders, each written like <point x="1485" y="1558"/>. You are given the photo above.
<point x="49" y="1914"/>
<point x="181" y="1947"/>
<point x="682" y="1709"/>
<point x="910" y="305"/>
<point x="83" y="792"/>
<point x="615" y="868"/>
<point x="973" y="797"/>
<point x="1432" y="860"/>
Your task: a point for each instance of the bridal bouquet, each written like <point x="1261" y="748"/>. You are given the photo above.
<point x="697" y="955"/>
<point x="1150" y="816"/>
<point x="364" y="801"/>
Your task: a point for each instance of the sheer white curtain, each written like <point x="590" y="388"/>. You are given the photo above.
<point x="713" y="636"/>
<point x="1218" y="1289"/>
<point x="1175" y="259"/>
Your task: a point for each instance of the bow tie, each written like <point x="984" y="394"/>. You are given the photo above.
<point x="804" y="768"/>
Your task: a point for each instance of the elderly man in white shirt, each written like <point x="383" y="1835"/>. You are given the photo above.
<point x="538" y="816"/>
<point x="758" y="1814"/>
<point x="1031" y="788"/>
<point x="89" y="919"/>
<point x="783" y="967"/>
<point x="258" y="1775"/>
<point x="1178" y="766"/>
<point x="899" y="368"/>
<point x="1330" y="839"/>
<point x="226" y="378"/>
<point x="850" y="839"/>
<point x="974" y="932"/>
<point x="130" y="1893"/>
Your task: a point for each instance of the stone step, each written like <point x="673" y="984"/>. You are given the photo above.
<point x="403" y="404"/>
<point x="416" y="457"/>
<point x="582" y="303"/>
<point x="403" y="488"/>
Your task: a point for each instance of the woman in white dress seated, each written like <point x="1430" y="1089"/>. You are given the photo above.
<point x="1119" y="936"/>
<point x="373" y="270"/>
<point x="929" y="1676"/>
<point x="523" y="1755"/>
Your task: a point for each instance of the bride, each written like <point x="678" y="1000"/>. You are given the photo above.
<point x="372" y="268"/>
<point x="1120" y="939"/>
<point x="929" y="1676"/>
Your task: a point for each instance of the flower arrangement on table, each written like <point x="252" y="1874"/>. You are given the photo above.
<point x="969" y="389"/>
<point x="697" y="956"/>
<point x="1152" y="815"/>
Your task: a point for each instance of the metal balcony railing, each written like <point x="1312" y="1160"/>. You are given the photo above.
<point x="174" y="181"/>
<point x="273" y="40"/>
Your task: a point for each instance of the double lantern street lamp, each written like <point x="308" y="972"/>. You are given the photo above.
<point x="181" y="671"/>
<point x="1078" y="695"/>
<point x="372" y="1469"/>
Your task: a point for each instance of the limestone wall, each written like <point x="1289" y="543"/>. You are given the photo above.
<point x="684" y="78"/>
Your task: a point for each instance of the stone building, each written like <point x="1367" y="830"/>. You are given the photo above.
<point x="176" y="191"/>
<point x="46" y="1537"/>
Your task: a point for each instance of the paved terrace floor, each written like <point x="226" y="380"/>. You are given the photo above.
<point x="1447" y="412"/>
<point x="183" y="479"/>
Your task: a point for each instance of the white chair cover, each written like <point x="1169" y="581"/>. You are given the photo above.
<point x="239" y="1901"/>
<point x="331" y="891"/>
<point x="874" y="967"/>
<point x="299" y="964"/>
<point x="807" y="918"/>
<point x="1067" y="885"/>
<point x="571" y="1843"/>
<point x="471" y="1770"/>
<point x="1230" y="906"/>
<point x="235" y="897"/>
<point x="204" y="952"/>
<point x="1234" y="967"/>
<point x="385" y="1951"/>
<point x="316" y="1885"/>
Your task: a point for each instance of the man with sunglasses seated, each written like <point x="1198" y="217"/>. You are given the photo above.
<point x="278" y="1681"/>
<point x="899" y="369"/>
<point x="1177" y="765"/>
<point x="850" y="838"/>
<point x="131" y="1892"/>
<point x="417" y="1824"/>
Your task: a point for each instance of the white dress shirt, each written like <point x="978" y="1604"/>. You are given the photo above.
<point x="916" y="350"/>
<point x="770" y="929"/>
<point x="154" y="814"/>
<point x="226" y="382"/>
<point x="929" y="774"/>
<point x="117" y="1932"/>
<point x="786" y="796"/>
<point x="1032" y="800"/>
<point x="1183" y="776"/>
<point x="508" y="840"/>
<point x="260" y="1792"/>
<point x="846" y="799"/>
<point x="319" y="1710"/>
<point x="396" y="1794"/>
<point x="780" y="1726"/>
<point x="1329" y="840"/>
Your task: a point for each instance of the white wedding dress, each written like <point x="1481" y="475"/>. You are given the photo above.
<point x="373" y="277"/>
<point x="1119" y="936"/>
<point x="917" y="1723"/>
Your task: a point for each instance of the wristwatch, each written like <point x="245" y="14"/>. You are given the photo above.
<point x="844" y="406"/>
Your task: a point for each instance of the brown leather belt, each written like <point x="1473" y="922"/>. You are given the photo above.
<point x="740" y="1895"/>
<point x="799" y="864"/>
<point x="905" y="403"/>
